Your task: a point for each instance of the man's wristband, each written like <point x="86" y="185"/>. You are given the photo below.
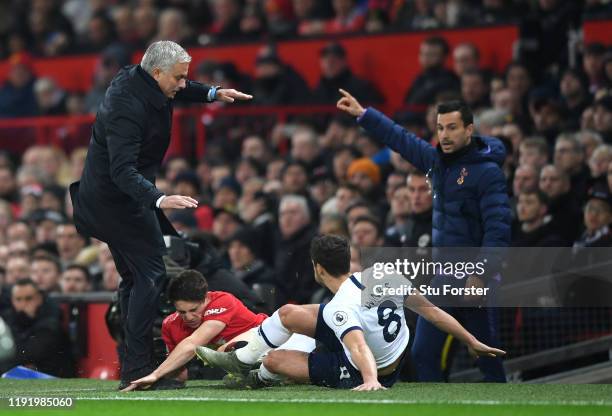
<point x="212" y="93"/>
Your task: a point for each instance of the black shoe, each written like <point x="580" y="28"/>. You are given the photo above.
<point x="161" y="384"/>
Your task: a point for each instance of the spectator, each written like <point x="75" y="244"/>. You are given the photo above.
<point x="17" y="97"/>
<point x="562" y="204"/>
<point x="602" y="118"/>
<point x="417" y="227"/>
<point x="145" y="25"/>
<point x="227" y="194"/>
<point x="100" y="32"/>
<point x="16" y="268"/>
<point x="535" y="224"/>
<point x="598" y="164"/>
<point x="349" y="17"/>
<point x="547" y="115"/>
<point x="569" y="157"/>
<point x="8" y="186"/>
<point x="434" y="78"/>
<point x="75" y="279"/>
<point x="50" y="98"/>
<point x="357" y="209"/>
<point x="518" y="80"/>
<point x="343" y="157"/>
<point x="336" y="74"/>
<point x="305" y="147"/>
<point x="226" y="24"/>
<point x="474" y="90"/>
<point x="45" y="224"/>
<point x="46" y="272"/>
<point x="366" y="232"/>
<point x="225" y="225"/>
<point x="533" y="151"/>
<point x="174" y="166"/>
<point x="254" y="147"/>
<point x="69" y="242"/>
<point x="589" y="140"/>
<point x="526" y="178"/>
<point x="173" y="26"/>
<point x="597" y="219"/>
<point x="366" y="176"/>
<point x="466" y="58"/>
<point x="40" y="341"/>
<point x="276" y="83"/>
<point x="592" y="64"/>
<point x="575" y="94"/>
<point x="244" y="259"/>
<point x="292" y="265"/>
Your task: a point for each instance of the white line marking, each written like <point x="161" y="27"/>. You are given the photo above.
<point x="353" y="401"/>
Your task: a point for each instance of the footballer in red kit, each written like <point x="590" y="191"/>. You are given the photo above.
<point x="201" y="318"/>
<point x="221" y="306"/>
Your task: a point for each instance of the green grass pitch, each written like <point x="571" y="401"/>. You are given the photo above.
<point x="95" y="397"/>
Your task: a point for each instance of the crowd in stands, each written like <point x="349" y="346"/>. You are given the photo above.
<point x="264" y="193"/>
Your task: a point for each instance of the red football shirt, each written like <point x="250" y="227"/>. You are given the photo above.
<point x="223" y="307"/>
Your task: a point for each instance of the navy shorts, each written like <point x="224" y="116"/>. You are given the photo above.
<point x="328" y="365"/>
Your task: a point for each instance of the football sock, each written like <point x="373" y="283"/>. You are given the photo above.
<point x="267" y="376"/>
<point x="271" y="334"/>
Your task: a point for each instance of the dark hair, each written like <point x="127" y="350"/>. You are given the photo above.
<point x="189" y="285"/>
<point x="457" y="105"/>
<point x="371" y="220"/>
<point x="49" y="259"/>
<point x="542" y="197"/>
<point x="80" y="268"/>
<point x="26" y="281"/>
<point x="332" y="252"/>
<point x="438" y="41"/>
<point x="358" y="203"/>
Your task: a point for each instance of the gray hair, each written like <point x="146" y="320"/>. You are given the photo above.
<point x="298" y="200"/>
<point x="164" y="54"/>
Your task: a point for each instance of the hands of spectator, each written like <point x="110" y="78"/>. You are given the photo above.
<point x="231" y="95"/>
<point x="478" y="349"/>
<point x="349" y="104"/>
<point x="178" y="202"/>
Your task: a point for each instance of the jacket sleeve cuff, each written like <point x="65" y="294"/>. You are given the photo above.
<point x="159" y="200"/>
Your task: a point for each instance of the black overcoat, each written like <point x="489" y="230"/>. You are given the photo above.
<point x="115" y="199"/>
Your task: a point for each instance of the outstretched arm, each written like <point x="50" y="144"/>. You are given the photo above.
<point x="415" y="150"/>
<point x="447" y="323"/>
<point x="181" y="355"/>
<point x="197" y="92"/>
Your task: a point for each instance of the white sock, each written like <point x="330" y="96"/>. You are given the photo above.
<point x="268" y="376"/>
<point x="270" y="334"/>
<point x="299" y="342"/>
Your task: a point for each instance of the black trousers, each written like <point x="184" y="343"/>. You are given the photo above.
<point x="142" y="277"/>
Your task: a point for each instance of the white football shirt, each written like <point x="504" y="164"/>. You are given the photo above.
<point x="384" y="326"/>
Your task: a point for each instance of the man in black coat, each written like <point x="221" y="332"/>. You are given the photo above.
<point x="40" y="341"/>
<point x="116" y="200"/>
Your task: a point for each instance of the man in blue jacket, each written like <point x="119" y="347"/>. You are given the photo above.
<point x="470" y="209"/>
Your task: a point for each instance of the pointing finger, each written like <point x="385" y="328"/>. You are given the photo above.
<point x="346" y="94"/>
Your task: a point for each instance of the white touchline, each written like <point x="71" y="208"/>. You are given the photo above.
<point x="355" y="401"/>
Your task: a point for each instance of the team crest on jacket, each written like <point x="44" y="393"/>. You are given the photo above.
<point x="462" y="176"/>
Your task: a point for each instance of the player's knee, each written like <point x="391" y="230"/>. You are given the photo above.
<point x="273" y="361"/>
<point x="287" y="314"/>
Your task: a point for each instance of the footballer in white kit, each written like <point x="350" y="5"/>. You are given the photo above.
<point x="363" y="341"/>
